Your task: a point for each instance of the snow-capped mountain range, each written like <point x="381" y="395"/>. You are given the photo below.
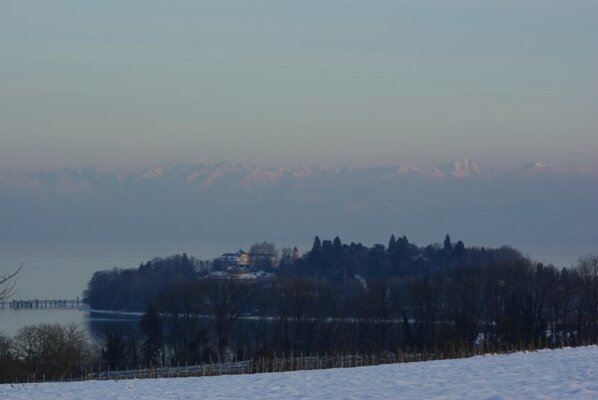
<point x="536" y="202"/>
<point x="207" y="175"/>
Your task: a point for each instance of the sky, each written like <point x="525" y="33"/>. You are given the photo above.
<point x="130" y="84"/>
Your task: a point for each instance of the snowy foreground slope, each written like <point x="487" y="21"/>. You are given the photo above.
<point x="558" y="374"/>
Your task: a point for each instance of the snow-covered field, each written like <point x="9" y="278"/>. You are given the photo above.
<point x="558" y="374"/>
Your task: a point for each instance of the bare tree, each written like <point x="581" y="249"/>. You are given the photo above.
<point x="7" y="284"/>
<point x="225" y="300"/>
<point x="186" y="335"/>
<point x="294" y="302"/>
<point x="52" y="350"/>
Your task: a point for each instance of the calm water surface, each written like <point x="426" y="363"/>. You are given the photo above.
<point x="91" y="322"/>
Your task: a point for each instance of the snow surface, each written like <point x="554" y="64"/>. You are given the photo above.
<point x="558" y="374"/>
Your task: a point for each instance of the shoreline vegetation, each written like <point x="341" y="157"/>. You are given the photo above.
<point x="338" y="304"/>
<point x="101" y="371"/>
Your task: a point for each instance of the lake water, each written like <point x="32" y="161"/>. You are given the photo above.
<point x="59" y="270"/>
<point x="92" y="322"/>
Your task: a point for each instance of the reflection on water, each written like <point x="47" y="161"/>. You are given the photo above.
<point x="93" y="322"/>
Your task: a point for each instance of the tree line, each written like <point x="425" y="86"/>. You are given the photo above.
<point x="517" y="303"/>
<point x="349" y="298"/>
<point x="134" y="288"/>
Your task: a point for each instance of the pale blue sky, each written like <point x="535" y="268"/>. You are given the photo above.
<point x="128" y="84"/>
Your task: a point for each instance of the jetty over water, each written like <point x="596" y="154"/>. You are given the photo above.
<point x="43" y="304"/>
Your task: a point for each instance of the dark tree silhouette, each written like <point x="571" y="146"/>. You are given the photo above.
<point x="116" y="347"/>
<point x="225" y="300"/>
<point x="153" y="350"/>
<point x="447" y="245"/>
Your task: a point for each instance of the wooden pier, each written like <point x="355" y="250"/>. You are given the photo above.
<point x="43" y="304"/>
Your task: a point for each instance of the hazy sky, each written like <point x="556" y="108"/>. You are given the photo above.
<point x="127" y="84"/>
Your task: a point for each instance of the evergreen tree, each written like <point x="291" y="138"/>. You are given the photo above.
<point x="459" y="250"/>
<point x="115" y="348"/>
<point x="326" y="247"/>
<point x="339" y="272"/>
<point x="448" y="246"/>
<point x="337" y="247"/>
<point x="186" y="266"/>
<point x="392" y="244"/>
<point x="317" y="246"/>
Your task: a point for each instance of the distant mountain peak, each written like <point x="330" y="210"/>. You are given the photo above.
<point x="458" y="169"/>
<point x="534" y="166"/>
<point x="538" y="168"/>
<point x="406" y="169"/>
<point x="153" y="173"/>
